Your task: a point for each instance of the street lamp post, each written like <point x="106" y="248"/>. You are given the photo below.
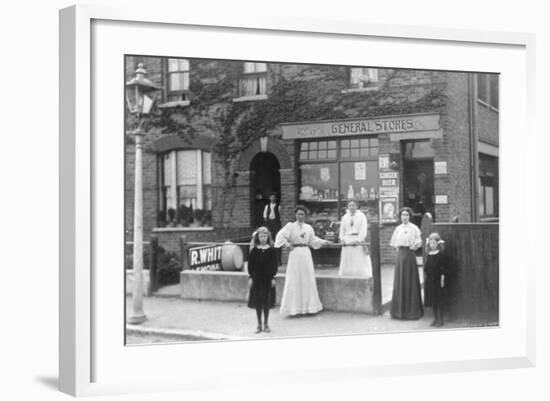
<point x="139" y="104"/>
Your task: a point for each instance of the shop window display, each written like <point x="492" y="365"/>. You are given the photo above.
<point x="331" y="172"/>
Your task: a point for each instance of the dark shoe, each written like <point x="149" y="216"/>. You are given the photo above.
<point x="440" y="323"/>
<point x="434" y="323"/>
<point x="267" y="329"/>
<point x="258" y="329"/>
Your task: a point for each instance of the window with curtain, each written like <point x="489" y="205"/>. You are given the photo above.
<point x="253" y="80"/>
<point x="177" y="79"/>
<point x="363" y="77"/>
<point x="186" y="188"/>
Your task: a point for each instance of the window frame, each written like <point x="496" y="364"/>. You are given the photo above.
<point x="339" y="201"/>
<point x="179" y="92"/>
<point x="172" y="185"/>
<point x="372" y="84"/>
<point x="490" y="81"/>
<point x="245" y="75"/>
<point x="482" y="186"/>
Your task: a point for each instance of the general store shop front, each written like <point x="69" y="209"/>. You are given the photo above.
<point x="384" y="163"/>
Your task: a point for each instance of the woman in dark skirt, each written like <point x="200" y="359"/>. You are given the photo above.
<point x="406" y="298"/>
<point x="262" y="268"/>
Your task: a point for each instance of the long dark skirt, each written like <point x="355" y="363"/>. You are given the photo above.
<point x="406" y="298"/>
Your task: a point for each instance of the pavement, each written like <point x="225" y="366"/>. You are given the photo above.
<point x="172" y="319"/>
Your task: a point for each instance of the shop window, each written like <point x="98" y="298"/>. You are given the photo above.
<point x="253" y="81"/>
<point x="186" y="188"/>
<point x="332" y="172"/>
<point x="488" y="186"/>
<point x="363" y="78"/>
<point x="488" y="89"/>
<point x="359" y="148"/>
<point x="177" y="80"/>
<point x="320" y="150"/>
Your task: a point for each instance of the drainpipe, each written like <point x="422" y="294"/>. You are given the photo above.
<point x="473" y="148"/>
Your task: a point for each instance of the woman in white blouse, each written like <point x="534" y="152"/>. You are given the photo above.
<point x="354" y="259"/>
<point x="300" y="295"/>
<point x="406" y="298"/>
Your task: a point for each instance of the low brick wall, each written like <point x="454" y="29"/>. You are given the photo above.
<point x="346" y="294"/>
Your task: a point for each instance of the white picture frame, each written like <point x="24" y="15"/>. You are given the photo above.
<point x="95" y="362"/>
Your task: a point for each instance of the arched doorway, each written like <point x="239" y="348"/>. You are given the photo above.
<point x="265" y="178"/>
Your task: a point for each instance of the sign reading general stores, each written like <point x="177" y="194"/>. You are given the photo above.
<point x="206" y="257"/>
<point x="405" y="123"/>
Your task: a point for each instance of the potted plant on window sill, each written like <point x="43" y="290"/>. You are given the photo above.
<point x="185" y="216"/>
<point x="198" y="217"/>
<point x="171" y="218"/>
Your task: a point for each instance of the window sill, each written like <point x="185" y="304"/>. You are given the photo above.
<point x="177" y="103"/>
<point x="359" y="90"/>
<point x="181" y="229"/>
<point x="250" y="98"/>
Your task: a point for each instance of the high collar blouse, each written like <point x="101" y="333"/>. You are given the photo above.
<point x="355" y="224"/>
<point x="298" y="234"/>
<point x="406" y="235"/>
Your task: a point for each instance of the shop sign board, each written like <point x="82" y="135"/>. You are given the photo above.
<point x="205" y="258"/>
<point x="370" y="126"/>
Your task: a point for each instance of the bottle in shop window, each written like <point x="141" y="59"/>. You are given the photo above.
<point x="350" y="192"/>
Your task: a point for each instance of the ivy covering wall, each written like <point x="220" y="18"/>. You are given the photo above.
<point x="294" y="93"/>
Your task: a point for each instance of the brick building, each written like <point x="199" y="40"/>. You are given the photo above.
<point x="227" y="133"/>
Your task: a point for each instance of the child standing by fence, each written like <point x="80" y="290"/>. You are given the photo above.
<point x="262" y="268"/>
<point x="435" y="271"/>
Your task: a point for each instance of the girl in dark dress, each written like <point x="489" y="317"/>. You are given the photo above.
<point x="435" y="270"/>
<point x="262" y="268"/>
<point x="406" y="297"/>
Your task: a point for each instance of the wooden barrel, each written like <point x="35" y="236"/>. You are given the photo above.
<point x="232" y="256"/>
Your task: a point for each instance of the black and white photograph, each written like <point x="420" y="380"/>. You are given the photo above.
<point x="274" y="200"/>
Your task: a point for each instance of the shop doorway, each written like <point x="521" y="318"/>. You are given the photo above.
<point x="418" y="178"/>
<point x="265" y="178"/>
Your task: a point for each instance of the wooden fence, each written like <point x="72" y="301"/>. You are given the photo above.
<point x="473" y="282"/>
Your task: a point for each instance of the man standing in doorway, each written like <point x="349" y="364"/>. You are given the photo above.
<point x="272" y="220"/>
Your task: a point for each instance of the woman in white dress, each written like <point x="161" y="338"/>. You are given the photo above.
<point x="354" y="259"/>
<point x="300" y="294"/>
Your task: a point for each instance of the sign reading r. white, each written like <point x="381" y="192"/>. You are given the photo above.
<point x="205" y="257"/>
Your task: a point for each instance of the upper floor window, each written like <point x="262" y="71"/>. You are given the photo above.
<point x="488" y="89"/>
<point x="253" y="80"/>
<point x="363" y="77"/>
<point x="177" y="79"/>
